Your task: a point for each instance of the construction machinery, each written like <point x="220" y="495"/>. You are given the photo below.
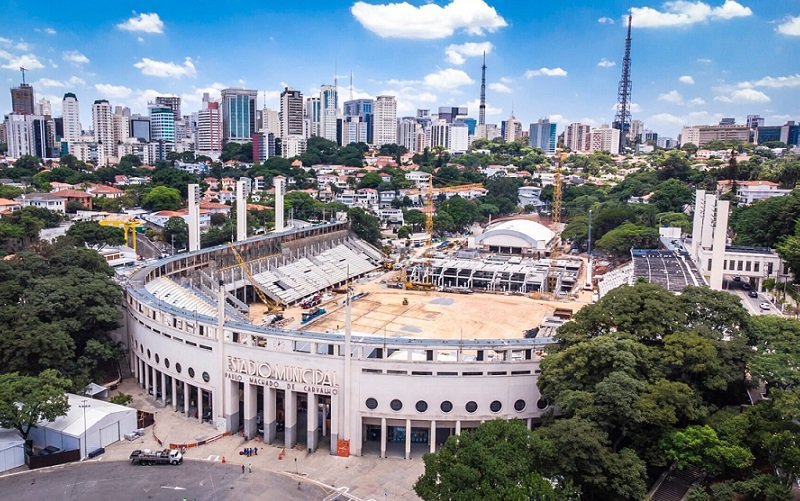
<point x="272" y="307"/>
<point x="429" y="206"/>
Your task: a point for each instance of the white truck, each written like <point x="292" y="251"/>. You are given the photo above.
<point x="147" y="457"/>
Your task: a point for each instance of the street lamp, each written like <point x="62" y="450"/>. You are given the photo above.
<point x="83" y="406"/>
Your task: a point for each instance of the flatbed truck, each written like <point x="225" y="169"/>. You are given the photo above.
<point x="147" y="457"/>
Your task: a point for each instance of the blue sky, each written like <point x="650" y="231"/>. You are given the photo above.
<point x="693" y="61"/>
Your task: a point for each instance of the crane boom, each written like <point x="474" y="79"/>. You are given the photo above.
<point x="243" y="264"/>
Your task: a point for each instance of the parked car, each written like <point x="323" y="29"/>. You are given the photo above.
<point x="737" y="279"/>
<point x="746" y="286"/>
<point x="765" y="306"/>
<point x="752" y="294"/>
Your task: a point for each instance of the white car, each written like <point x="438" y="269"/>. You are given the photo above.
<point x="765" y="306"/>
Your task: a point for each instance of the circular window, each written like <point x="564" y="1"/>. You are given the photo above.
<point x="495" y="406"/>
<point x="206" y="377"/>
<point x="471" y="407"/>
<point x="372" y="404"/>
<point x="157" y="359"/>
<point x="191" y="372"/>
<point x="542" y="403"/>
<point x="519" y="405"/>
<point x="422" y="406"/>
<point x="166" y="363"/>
<point x="396" y="405"/>
<point x="446" y="406"/>
<point x="178" y="368"/>
<point x="148" y="353"/>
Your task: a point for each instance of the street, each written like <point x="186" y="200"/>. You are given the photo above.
<point x="752" y="304"/>
<point x="121" y="481"/>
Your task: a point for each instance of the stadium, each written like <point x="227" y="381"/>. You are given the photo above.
<point x="215" y="334"/>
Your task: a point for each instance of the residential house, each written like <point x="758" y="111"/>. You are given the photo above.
<point x="43" y="200"/>
<point x="101" y="190"/>
<point x="83" y="198"/>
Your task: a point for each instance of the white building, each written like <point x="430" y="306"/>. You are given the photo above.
<point x="384" y="121"/>
<point x="328" y="112"/>
<point x="209" y="129"/>
<point x="89" y="425"/>
<point x="43" y="201"/>
<point x="408" y="133"/>
<point x="270" y="122"/>
<point x="459" y="138"/>
<point x="26" y="135"/>
<point x="512" y="129"/>
<point x="486" y="131"/>
<point x="103" y="127"/>
<point x="121" y="121"/>
<point x="293" y="146"/>
<point x="604" y="139"/>
<point x="72" y="117"/>
<point x="12" y="450"/>
<point x="516" y="236"/>
<point x="748" y="192"/>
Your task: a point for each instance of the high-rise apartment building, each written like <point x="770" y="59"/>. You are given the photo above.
<point x="72" y="117"/>
<point x="162" y="124"/>
<point x="351" y="130"/>
<point x="408" y="134"/>
<point x="576" y="136"/>
<point x="511" y="129"/>
<point x="270" y="122"/>
<point x="384" y="121"/>
<point x="43" y="107"/>
<point x="263" y="146"/>
<point x="312" y="113"/>
<point x="636" y="129"/>
<point x="122" y="124"/>
<point x="22" y="99"/>
<point x="209" y="128"/>
<point x="329" y="111"/>
<point x="604" y="139"/>
<point x="363" y="109"/>
<point x="238" y="115"/>
<point x="171" y="102"/>
<point x="292" y="113"/>
<point x="27" y="135"/>
<point x="542" y="134"/>
<point x="103" y="127"/>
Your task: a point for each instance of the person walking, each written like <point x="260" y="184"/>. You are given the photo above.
<point x="251" y="467"/>
<point x="242" y="468"/>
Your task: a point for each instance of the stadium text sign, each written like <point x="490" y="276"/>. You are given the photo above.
<point x="238" y="367"/>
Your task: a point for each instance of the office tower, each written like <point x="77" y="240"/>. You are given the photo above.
<point x="270" y="122"/>
<point x="471" y="123"/>
<point x="576" y="135"/>
<point x="312" y="112"/>
<point x="72" y="117"/>
<point x="22" y="100"/>
<point x="209" y="128"/>
<point x="329" y="111"/>
<point x="511" y="129"/>
<point x="384" y="121"/>
<point x="450" y="113"/>
<point x="363" y="109"/>
<point x="622" y="120"/>
<point x="408" y="134"/>
<point x="171" y="102"/>
<point x="238" y="115"/>
<point x="351" y="130"/>
<point x="459" y="138"/>
<point x="103" y="126"/>
<point x="543" y="135"/>
<point x="754" y="121"/>
<point x="162" y="123"/>
<point x="26" y="135"/>
<point x="122" y="124"/>
<point x="292" y="113"/>
<point x="140" y="128"/>
<point x="604" y="139"/>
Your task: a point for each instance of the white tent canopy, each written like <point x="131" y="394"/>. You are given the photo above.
<point x="102" y="422"/>
<point x="12" y="450"/>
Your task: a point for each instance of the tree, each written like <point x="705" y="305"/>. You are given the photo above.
<point x="370" y="180"/>
<point x="176" y="232"/>
<point x="620" y="241"/>
<point x="700" y="446"/>
<point x="766" y="222"/>
<point x="403" y="233"/>
<point x="27" y="400"/>
<point x="174" y="178"/>
<point x="777" y="358"/>
<point x="365" y="225"/>
<point x="463" y="212"/>
<point x="789" y="250"/>
<point x="672" y="195"/>
<point x="498" y="460"/>
<point x="93" y="234"/>
<point x="162" y="198"/>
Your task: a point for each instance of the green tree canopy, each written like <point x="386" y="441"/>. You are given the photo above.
<point x="93" y="234"/>
<point x="27" y="400"/>
<point x="162" y="198"/>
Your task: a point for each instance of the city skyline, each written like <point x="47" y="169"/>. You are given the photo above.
<point x="545" y="60"/>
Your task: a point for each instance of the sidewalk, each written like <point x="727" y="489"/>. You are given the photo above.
<point x="367" y="477"/>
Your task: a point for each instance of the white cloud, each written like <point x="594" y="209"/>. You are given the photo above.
<point x="744" y="96"/>
<point x="75" y="57"/>
<point x="506" y="80"/>
<point x="605" y="63"/>
<point x="113" y="91"/>
<point x="409" y="99"/>
<point x="704" y="60"/>
<point x="447" y="79"/>
<point x="166" y="69"/>
<point x="698" y="101"/>
<point x="144" y="23"/>
<point x="139" y="39"/>
<point x="672" y="96"/>
<point x="49" y="82"/>
<point x="429" y="21"/>
<point x="605" y="20"/>
<point x="14" y="62"/>
<point x="73" y="80"/>
<point x="686" y="79"/>
<point x="686" y="13"/>
<point x="500" y="87"/>
<point x="776" y="82"/>
<point x="458" y="53"/>
<point x="474" y="105"/>
<point x="24" y="46"/>
<point x="667" y="119"/>
<point x="194" y="97"/>
<point x="547" y="72"/>
<point x="790" y="27"/>
<point x="50" y="31"/>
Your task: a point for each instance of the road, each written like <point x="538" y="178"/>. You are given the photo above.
<point x="146" y="248"/>
<point x="121" y="481"/>
<point x="752" y="304"/>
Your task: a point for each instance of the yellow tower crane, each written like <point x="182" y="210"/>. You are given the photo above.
<point x="271" y="306"/>
<point x="552" y="279"/>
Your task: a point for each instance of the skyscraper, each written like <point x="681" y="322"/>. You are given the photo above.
<point x="291" y="113"/>
<point x="270" y="122"/>
<point x="122" y="124"/>
<point x="140" y="128"/>
<point x="22" y="99"/>
<point x="162" y="124"/>
<point x="511" y="129"/>
<point x="312" y="112"/>
<point x="575" y="137"/>
<point x="103" y="126"/>
<point x="450" y="113"/>
<point x="27" y="135"/>
<point x="385" y="121"/>
<point x="363" y="109"/>
<point x="43" y="107"/>
<point x="329" y="111"/>
<point x="171" y="102"/>
<point x="238" y="115"/>
<point x="72" y="117"/>
<point x="543" y="135"/>
<point x="209" y="128"/>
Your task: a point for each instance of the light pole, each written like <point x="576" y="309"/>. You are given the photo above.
<point x="83" y="406"/>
